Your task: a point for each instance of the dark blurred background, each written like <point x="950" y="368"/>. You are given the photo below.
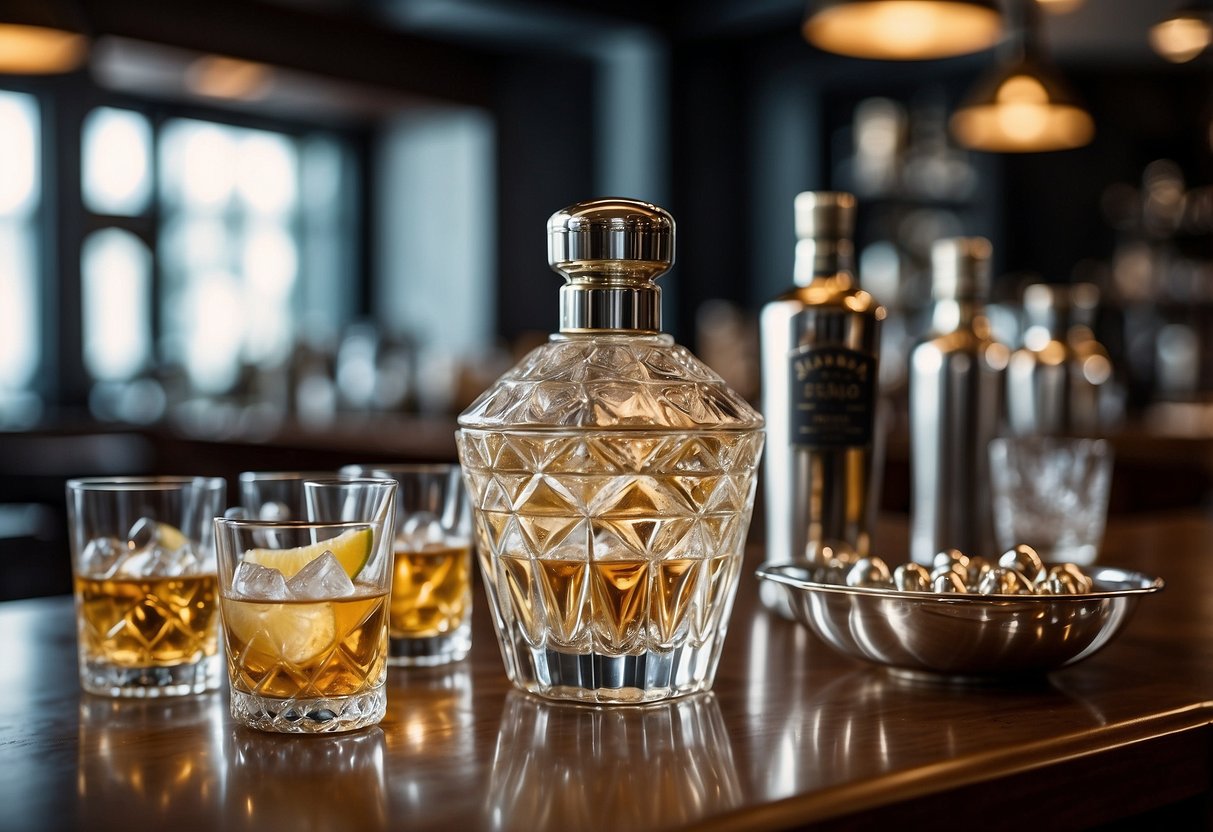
<point x="290" y="234"/>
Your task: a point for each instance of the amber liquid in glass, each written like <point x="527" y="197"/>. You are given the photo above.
<point x="148" y="622"/>
<point x="431" y="589"/>
<point x="307" y="649"/>
<point x="624" y="605"/>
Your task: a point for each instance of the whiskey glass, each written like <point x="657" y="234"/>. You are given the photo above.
<point x="305" y="611"/>
<point x="143" y="565"/>
<point x="431" y="614"/>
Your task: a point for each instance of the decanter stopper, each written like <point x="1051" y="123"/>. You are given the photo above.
<point x="609" y="252"/>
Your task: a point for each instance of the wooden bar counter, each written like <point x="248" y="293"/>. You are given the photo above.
<point x="793" y="735"/>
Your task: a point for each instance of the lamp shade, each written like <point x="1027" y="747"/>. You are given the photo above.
<point x="1022" y="107"/>
<point x="38" y="37"/>
<point x="904" y="30"/>
<point x="1185" y="34"/>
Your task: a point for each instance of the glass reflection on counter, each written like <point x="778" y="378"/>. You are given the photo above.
<point x="631" y="768"/>
<point x="430" y="717"/>
<point x="318" y="782"/>
<point x="429" y="710"/>
<point x="140" y="753"/>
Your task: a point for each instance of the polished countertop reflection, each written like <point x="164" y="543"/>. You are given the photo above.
<point x="792" y="734"/>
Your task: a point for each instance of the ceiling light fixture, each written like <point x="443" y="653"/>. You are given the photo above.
<point x="1060" y="6"/>
<point x="1023" y="105"/>
<point x="902" y="30"/>
<point x="218" y="76"/>
<point x="1185" y="34"/>
<point x="40" y="37"/>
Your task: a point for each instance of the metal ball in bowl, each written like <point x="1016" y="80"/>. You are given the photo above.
<point x="912" y="577"/>
<point x="1023" y="558"/>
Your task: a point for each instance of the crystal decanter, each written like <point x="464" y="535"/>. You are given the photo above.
<point x="612" y="478"/>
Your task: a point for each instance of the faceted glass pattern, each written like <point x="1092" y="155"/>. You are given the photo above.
<point x="611" y="515"/>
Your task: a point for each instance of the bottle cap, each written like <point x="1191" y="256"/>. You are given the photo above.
<point x="960" y="268"/>
<point x="609" y="251"/>
<point x="825" y="223"/>
<point x="824" y="215"/>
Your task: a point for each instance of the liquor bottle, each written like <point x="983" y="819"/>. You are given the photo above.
<point x="820" y="347"/>
<point x="1059" y="381"/>
<point x="956" y="389"/>
<point x="612" y="477"/>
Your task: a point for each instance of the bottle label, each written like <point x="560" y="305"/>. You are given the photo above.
<point x="833" y="397"/>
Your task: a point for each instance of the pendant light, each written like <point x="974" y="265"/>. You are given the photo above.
<point x="903" y="30"/>
<point x="1185" y="34"/>
<point x="1023" y="105"/>
<point x="39" y="37"/>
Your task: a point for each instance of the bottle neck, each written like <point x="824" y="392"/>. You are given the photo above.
<point x="824" y="259"/>
<point x="622" y="302"/>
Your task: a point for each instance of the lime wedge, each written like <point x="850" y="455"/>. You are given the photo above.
<point x="352" y="550"/>
<point x="170" y="536"/>
<point x="295" y="633"/>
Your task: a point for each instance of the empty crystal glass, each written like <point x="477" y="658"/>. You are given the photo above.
<point x="1051" y="493"/>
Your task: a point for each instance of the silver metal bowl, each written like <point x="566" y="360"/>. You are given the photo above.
<point x="963" y="635"/>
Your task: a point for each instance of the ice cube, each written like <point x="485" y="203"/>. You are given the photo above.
<point x="237" y="513"/>
<point x="156" y="560"/>
<point x="274" y="511"/>
<point x="174" y="562"/>
<point x="420" y="530"/>
<point x="102" y="556"/>
<point x="134" y="564"/>
<point x="156" y="550"/>
<point x="319" y="579"/>
<point x="261" y="583"/>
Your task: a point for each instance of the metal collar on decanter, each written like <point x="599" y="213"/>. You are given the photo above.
<point x="825" y="224"/>
<point x="609" y="252"/>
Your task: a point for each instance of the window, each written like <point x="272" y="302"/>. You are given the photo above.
<point x="20" y="195"/>
<point x="239" y="260"/>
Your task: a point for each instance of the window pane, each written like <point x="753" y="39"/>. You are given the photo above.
<point x="214" y="329"/>
<point x="198" y="163"/>
<point x="18" y="305"/>
<point x="20" y="333"/>
<point x="116" y="162"/>
<point x="328" y="265"/>
<point x="266" y="177"/>
<point x="19" y="161"/>
<point x="116" y="272"/>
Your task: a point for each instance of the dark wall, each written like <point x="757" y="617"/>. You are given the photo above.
<point x="1053" y="201"/>
<point x="545" y="162"/>
<point x="710" y="202"/>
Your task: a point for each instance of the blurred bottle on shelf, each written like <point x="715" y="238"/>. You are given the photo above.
<point x="820" y="349"/>
<point x="1061" y="380"/>
<point x="1162" y="274"/>
<point x="375" y="371"/>
<point x="956" y="395"/>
